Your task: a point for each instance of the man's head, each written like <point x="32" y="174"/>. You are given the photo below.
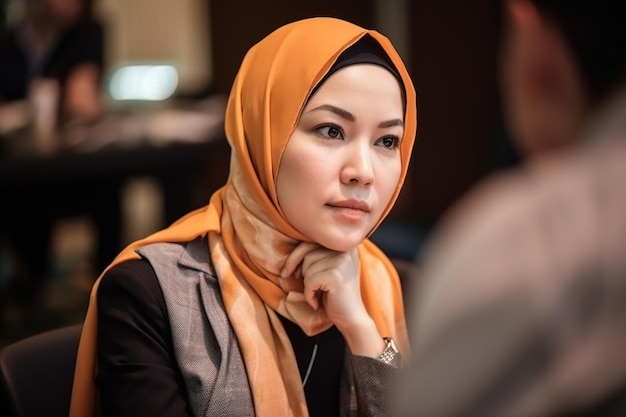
<point x="561" y="59"/>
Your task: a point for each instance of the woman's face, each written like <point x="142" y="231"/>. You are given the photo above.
<point x="341" y="165"/>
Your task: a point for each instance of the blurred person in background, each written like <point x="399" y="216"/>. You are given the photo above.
<point x="52" y="50"/>
<point x="519" y="305"/>
<point x="57" y="40"/>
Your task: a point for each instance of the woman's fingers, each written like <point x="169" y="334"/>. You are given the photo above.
<point x="295" y="258"/>
<point x="330" y="279"/>
<point x="312" y="297"/>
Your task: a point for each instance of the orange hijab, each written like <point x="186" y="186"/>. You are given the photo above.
<point x="249" y="238"/>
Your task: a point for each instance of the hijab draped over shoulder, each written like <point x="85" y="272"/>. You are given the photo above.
<point x="249" y="238"/>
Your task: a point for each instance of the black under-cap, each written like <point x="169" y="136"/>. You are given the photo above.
<point x="365" y="51"/>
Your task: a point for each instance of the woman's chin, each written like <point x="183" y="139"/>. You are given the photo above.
<point x="342" y="244"/>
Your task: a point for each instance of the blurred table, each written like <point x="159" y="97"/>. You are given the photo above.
<point x="179" y="166"/>
<point x="87" y="170"/>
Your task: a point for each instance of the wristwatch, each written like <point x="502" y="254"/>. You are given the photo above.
<point x="391" y="354"/>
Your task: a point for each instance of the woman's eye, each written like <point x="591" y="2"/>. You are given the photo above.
<point x="330" y="131"/>
<point x="390" y="142"/>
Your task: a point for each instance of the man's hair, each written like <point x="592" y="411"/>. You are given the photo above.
<point x="596" y="33"/>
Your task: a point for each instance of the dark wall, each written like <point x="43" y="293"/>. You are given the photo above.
<point x="238" y="24"/>
<point x="454" y="67"/>
<point x="453" y="51"/>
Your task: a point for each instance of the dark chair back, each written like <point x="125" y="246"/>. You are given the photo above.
<point x="37" y="373"/>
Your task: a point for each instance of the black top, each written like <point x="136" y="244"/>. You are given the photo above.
<point x="131" y="303"/>
<point x="80" y="44"/>
<point x="322" y="385"/>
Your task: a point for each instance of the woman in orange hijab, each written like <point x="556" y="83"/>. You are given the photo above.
<point x="270" y="301"/>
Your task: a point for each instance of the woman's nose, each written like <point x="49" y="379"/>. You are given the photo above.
<point x="358" y="166"/>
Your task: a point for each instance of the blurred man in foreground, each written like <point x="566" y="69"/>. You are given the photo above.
<point x="519" y="309"/>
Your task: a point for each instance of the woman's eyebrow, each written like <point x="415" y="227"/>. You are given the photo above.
<point x="344" y="114"/>
<point x="391" y="123"/>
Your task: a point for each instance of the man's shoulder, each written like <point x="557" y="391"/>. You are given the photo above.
<point x="525" y="232"/>
<point x="553" y="195"/>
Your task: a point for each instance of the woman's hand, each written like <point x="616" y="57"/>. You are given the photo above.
<point x="331" y="281"/>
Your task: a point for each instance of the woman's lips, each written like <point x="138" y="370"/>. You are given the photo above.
<point x="351" y="209"/>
